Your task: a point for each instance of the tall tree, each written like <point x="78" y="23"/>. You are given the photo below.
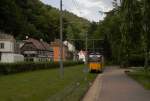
<point x="146" y="30"/>
<point x="130" y="12"/>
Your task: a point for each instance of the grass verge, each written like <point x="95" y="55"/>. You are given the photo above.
<point x="46" y="85"/>
<point x="142" y="77"/>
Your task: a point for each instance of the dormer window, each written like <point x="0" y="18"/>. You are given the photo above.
<point x="1" y="45"/>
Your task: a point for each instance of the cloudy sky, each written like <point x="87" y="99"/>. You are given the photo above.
<point x="89" y="9"/>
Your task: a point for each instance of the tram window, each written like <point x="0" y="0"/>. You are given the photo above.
<point x="94" y="58"/>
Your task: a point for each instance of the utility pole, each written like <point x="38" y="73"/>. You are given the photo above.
<point x="61" y="41"/>
<point x="86" y="49"/>
<point x="93" y="46"/>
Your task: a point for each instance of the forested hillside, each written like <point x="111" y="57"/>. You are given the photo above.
<point x="35" y="19"/>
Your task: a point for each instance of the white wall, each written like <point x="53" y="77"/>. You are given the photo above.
<point x="11" y="58"/>
<point x="8" y="46"/>
<point x="70" y="46"/>
<point x="18" y="58"/>
<point x="81" y="56"/>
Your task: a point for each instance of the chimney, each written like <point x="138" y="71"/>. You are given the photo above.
<point x="41" y="40"/>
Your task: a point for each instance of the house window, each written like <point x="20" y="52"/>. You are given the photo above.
<point x="1" y="45"/>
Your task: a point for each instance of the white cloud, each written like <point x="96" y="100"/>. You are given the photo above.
<point x="88" y="9"/>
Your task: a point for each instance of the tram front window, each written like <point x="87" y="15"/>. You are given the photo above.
<point x="94" y="58"/>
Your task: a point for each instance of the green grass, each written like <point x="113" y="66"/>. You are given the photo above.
<point x="142" y="77"/>
<point x="45" y="85"/>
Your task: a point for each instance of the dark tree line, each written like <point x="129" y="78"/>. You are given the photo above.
<point x="35" y="19"/>
<point x="127" y="29"/>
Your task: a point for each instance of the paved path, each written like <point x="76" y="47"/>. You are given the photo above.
<point x="114" y="85"/>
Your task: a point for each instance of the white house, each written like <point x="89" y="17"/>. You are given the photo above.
<point x="82" y="55"/>
<point x="71" y="49"/>
<point x="8" y="49"/>
<point x="70" y="46"/>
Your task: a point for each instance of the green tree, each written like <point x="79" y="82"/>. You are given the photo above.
<point x="146" y="31"/>
<point x="130" y="29"/>
<point x="37" y="20"/>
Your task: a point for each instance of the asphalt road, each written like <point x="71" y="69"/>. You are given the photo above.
<point x="115" y="85"/>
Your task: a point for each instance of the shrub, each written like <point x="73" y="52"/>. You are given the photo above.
<point x="10" y="68"/>
<point x="136" y="60"/>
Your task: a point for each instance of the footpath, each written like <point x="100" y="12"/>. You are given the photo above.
<point x="115" y="85"/>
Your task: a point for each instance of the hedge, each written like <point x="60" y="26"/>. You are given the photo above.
<point x="11" y="68"/>
<point x="137" y="60"/>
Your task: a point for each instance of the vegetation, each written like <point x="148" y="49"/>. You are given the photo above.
<point x="34" y="19"/>
<point x="146" y="30"/>
<point x="126" y="32"/>
<point x="130" y="29"/>
<point x="142" y="77"/>
<point x="11" y="68"/>
<point x="46" y="85"/>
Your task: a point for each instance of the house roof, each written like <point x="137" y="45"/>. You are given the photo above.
<point x="41" y="45"/>
<point x="46" y="45"/>
<point x="4" y="36"/>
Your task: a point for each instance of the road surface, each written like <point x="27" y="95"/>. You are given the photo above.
<point x="115" y="85"/>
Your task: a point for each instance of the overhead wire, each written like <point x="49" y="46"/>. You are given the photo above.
<point x="77" y="7"/>
<point x="75" y="3"/>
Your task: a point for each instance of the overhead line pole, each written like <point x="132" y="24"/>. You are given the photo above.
<point x="86" y="49"/>
<point x="61" y="41"/>
<point x="93" y="46"/>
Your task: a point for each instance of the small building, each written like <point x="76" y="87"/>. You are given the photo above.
<point x="9" y="51"/>
<point x="71" y="47"/>
<point x="82" y="55"/>
<point x="37" y="51"/>
<point x="56" y="48"/>
<point x="72" y="50"/>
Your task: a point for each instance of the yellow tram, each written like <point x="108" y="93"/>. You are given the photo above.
<point x="95" y="62"/>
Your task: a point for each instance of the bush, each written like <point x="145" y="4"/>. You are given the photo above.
<point x="136" y="60"/>
<point x="11" y="68"/>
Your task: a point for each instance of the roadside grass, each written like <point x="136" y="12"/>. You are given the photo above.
<point x="142" y="77"/>
<point x="46" y="85"/>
